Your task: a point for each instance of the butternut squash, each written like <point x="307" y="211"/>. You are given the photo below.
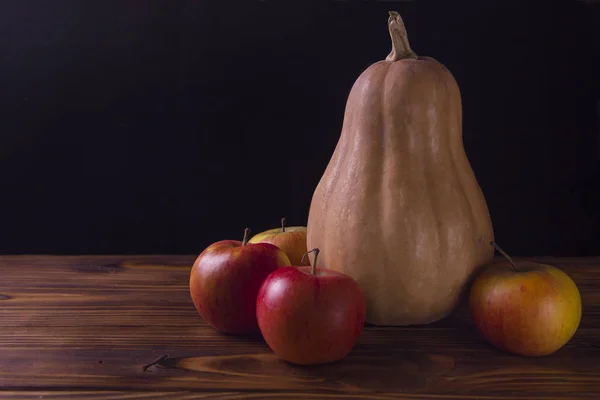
<point x="398" y="207"/>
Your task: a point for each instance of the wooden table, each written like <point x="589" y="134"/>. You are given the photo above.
<point x="125" y="328"/>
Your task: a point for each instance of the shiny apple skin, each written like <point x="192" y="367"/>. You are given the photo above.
<point x="533" y="312"/>
<point x="310" y="319"/>
<point x="225" y="280"/>
<point x="292" y="241"/>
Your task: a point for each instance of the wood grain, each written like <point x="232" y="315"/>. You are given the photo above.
<point x="103" y="327"/>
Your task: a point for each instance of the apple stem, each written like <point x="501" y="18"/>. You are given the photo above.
<point x="314" y="263"/>
<point x="283" y="224"/>
<point x="246" y="234"/>
<point x="505" y="255"/>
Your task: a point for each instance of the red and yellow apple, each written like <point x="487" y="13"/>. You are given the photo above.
<point x="290" y="239"/>
<point x="225" y="279"/>
<point x="310" y="315"/>
<point x="525" y="308"/>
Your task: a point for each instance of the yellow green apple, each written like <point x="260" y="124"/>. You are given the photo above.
<point x="525" y="308"/>
<point x="290" y="239"/>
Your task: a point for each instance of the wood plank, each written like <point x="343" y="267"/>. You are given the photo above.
<point x="85" y="327"/>
<point x="183" y="395"/>
<point x="367" y="371"/>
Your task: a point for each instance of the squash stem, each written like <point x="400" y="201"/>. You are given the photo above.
<point x="314" y="263"/>
<point x="283" y="224"/>
<point x="246" y="234"/>
<point x="400" y="45"/>
<point x="505" y="255"/>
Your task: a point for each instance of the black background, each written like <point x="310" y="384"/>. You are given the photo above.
<point x="163" y="126"/>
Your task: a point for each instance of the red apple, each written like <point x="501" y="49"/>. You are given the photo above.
<point x="225" y="280"/>
<point x="525" y="308"/>
<point x="310" y="315"/>
<point x="290" y="239"/>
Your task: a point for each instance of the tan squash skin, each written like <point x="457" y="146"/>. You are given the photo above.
<point x="398" y="207"/>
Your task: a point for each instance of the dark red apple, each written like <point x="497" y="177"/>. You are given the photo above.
<point x="310" y="315"/>
<point x="225" y="280"/>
